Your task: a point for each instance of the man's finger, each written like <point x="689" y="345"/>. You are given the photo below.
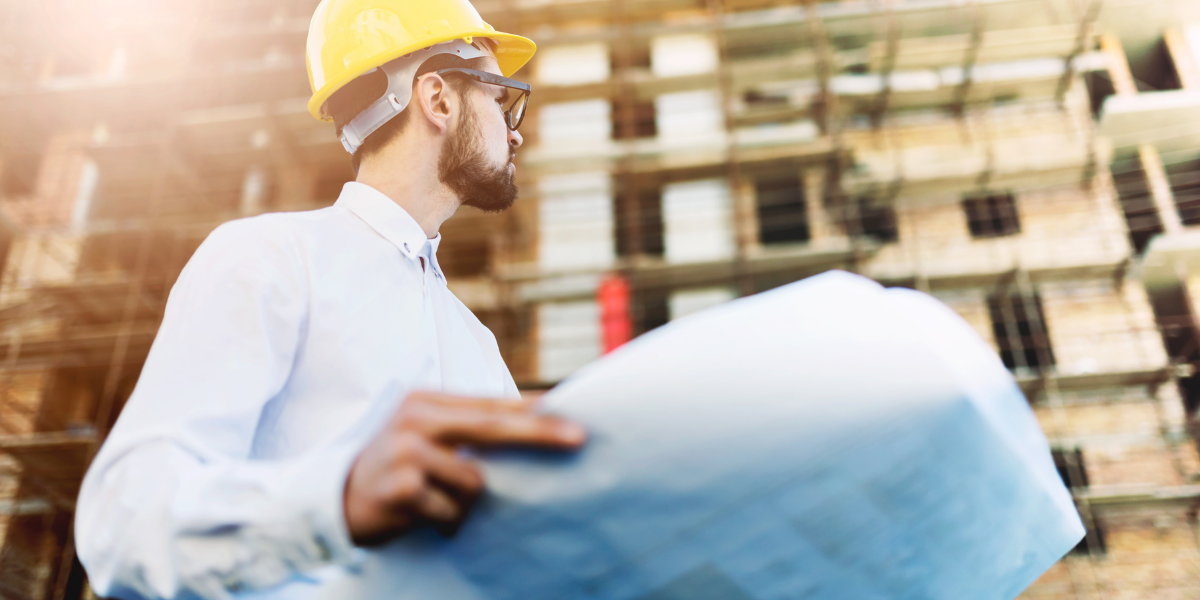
<point x="437" y="506"/>
<point x="459" y="475"/>
<point x="532" y="399"/>
<point x="459" y="425"/>
<point x="417" y="400"/>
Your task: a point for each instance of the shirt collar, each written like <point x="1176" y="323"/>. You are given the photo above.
<point x="389" y="220"/>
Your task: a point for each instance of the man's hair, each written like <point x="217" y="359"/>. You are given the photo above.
<point x="356" y="96"/>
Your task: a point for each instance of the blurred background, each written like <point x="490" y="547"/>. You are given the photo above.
<point x="1034" y="164"/>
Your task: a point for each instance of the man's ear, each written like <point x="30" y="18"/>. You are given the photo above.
<point x="433" y="96"/>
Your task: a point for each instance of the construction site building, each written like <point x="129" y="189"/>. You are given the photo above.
<point x="1034" y="164"/>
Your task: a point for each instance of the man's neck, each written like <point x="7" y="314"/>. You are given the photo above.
<point x="418" y="191"/>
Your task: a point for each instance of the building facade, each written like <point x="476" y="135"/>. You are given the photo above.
<point x="1031" y="163"/>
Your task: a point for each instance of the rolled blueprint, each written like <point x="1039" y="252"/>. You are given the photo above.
<point x="828" y="439"/>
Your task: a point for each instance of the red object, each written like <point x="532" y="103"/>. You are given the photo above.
<point x="615" y="319"/>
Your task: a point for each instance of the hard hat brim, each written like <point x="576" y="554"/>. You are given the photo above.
<point x="512" y="53"/>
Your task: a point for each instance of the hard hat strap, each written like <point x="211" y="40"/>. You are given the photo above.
<point x="400" y="74"/>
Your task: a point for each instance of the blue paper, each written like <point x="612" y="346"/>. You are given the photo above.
<point x="829" y="439"/>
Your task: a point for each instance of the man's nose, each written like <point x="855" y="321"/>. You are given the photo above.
<point x="514" y="139"/>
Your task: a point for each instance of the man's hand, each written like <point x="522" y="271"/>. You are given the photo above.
<point x="411" y="473"/>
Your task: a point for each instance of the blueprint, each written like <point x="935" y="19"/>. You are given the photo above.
<point x="828" y="439"/>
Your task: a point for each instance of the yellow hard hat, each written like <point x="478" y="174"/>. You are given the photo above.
<point x="347" y="38"/>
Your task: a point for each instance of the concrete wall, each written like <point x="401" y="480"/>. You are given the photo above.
<point x="1100" y="326"/>
<point x="698" y="221"/>
<point x="1059" y="228"/>
<point x="1143" y="562"/>
<point x="574" y="125"/>
<point x="575" y="221"/>
<point x="682" y="303"/>
<point x="1120" y="432"/>
<point x="683" y="54"/>
<point x="573" y="64"/>
<point x="1095" y="326"/>
<point x="568" y="337"/>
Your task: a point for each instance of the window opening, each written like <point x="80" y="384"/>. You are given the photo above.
<point x="651" y="309"/>
<point x="1133" y="192"/>
<point x="636" y="55"/>
<point x="631" y="118"/>
<point x="1073" y="471"/>
<point x="468" y="256"/>
<point x="992" y="215"/>
<point x="638" y="222"/>
<point x="1099" y="87"/>
<point x="758" y="99"/>
<point x="1184" y="178"/>
<point x="877" y="220"/>
<point x="1176" y="324"/>
<point x="782" y="210"/>
<point x="1153" y="69"/>
<point x="1019" y="326"/>
<point x="641" y="123"/>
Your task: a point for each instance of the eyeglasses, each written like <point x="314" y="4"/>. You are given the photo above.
<point x="515" y="113"/>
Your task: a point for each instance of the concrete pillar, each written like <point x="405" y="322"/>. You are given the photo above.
<point x="1118" y="65"/>
<point x="745" y="216"/>
<point x="1183" y="58"/>
<point x="1160" y="188"/>
<point x="820" y="224"/>
<point x="1152" y="165"/>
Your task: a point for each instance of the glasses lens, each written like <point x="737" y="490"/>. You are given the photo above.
<point x="516" y="112"/>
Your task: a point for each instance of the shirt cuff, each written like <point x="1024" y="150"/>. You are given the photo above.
<point x="319" y="491"/>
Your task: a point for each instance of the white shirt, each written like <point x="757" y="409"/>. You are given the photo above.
<point x="287" y="340"/>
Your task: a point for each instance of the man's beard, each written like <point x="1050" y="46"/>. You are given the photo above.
<point x="464" y="168"/>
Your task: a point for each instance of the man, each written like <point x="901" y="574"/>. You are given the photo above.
<point x="266" y="442"/>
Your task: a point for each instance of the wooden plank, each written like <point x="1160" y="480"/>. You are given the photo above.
<point x="25" y="508"/>
<point x="44" y="441"/>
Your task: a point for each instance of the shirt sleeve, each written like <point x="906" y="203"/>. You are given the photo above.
<point x="173" y="505"/>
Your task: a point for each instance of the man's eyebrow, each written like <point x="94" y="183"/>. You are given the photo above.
<point x="503" y="96"/>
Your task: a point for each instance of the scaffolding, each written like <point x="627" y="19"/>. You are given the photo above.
<point x="1031" y="163"/>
